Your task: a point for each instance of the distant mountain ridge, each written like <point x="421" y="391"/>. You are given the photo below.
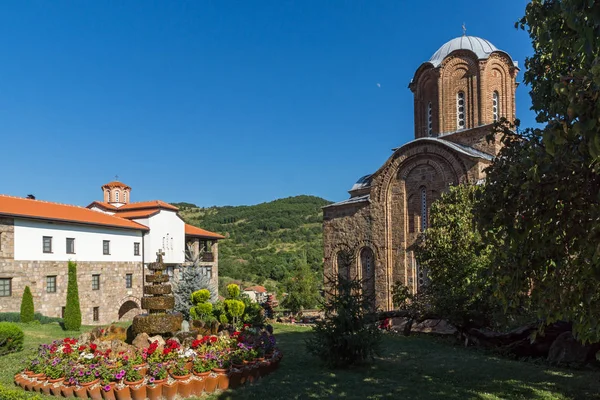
<point x="264" y="241"/>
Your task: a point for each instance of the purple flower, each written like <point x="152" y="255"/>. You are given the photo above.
<point x="106" y="388"/>
<point x="151" y="380"/>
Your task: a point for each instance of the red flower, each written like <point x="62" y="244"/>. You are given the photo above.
<point x="67" y="349"/>
<point x="235" y="334"/>
<point x="81" y="348"/>
<point x="166" y="351"/>
<point x="196" y="343"/>
<point x="213" y="339"/>
<point x="93" y="347"/>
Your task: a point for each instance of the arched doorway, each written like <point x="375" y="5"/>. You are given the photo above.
<point x="128" y="310"/>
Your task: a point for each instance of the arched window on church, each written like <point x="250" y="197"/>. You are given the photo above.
<point x="496" y="105"/>
<point x="108" y="196"/>
<point x="460" y="110"/>
<point x="343" y="264"/>
<point x="423" y="209"/>
<point x="124" y="197"/>
<point x="116" y="196"/>
<point x="429" y="120"/>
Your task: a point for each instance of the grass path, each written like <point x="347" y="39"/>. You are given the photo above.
<point x="410" y="368"/>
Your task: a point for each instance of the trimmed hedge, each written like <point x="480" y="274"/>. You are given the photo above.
<point x="17" y="394"/>
<point x="16" y="317"/>
<point x="11" y="338"/>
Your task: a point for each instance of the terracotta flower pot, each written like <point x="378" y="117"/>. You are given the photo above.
<point x="154" y="391"/>
<point x="197" y="386"/>
<point x="123" y="393"/>
<point x="109" y="394"/>
<point x="210" y="383"/>
<point x="56" y="390"/>
<point x="45" y="389"/>
<point x="219" y="370"/>
<point x="28" y="384"/>
<point x="94" y="392"/>
<point x="67" y="391"/>
<point x="170" y="390"/>
<point x="235" y="379"/>
<point x="56" y="380"/>
<point x="185" y="388"/>
<point x="202" y="374"/>
<point x="181" y="377"/>
<point x="138" y="392"/>
<point x="133" y="383"/>
<point x="80" y="392"/>
<point x="223" y="381"/>
<point x="37" y="386"/>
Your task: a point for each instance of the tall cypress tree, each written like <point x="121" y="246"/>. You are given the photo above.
<point x="72" y="309"/>
<point x="27" y="306"/>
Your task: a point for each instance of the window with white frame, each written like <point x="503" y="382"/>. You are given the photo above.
<point x="496" y="105"/>
<point x="460" y="110"/>
<point x="124" y="197"/>
<point x="116" y="196"/>
<point x="429" y="120"/>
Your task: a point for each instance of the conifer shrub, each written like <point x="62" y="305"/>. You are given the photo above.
<point x="192" y="279"/>
<point x="27" y="312"/>
<point x="202" y="309"/>
<point x="348" y="334"/>
<point x="72" y="310"/>
<point x="11" y="338"/>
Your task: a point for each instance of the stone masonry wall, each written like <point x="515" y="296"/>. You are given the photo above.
<point x="109" y="298"/>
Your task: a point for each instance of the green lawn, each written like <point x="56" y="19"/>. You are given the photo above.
<point x="410" y="368"/>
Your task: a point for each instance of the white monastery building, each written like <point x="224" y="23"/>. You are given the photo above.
<point x="112" y="241"/>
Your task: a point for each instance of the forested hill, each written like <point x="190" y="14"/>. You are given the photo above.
<point x="264" y="241"/>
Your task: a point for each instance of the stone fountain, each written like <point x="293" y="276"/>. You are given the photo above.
<point x="159" y="303"/>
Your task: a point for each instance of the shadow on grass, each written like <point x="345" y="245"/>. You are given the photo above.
<point x="415" y="368"/>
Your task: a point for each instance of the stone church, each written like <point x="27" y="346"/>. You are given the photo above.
<point x="465" y="87"/>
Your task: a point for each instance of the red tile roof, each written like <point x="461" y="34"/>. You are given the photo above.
<point x="115" y="184"/>
<point x="37" y="209"/>
<point x="195" y="231"/>
<point x="257" y="289"/>
<point x="101" y="204"/>
<point x="137" y="213"/>
<point x="148" y="204"/>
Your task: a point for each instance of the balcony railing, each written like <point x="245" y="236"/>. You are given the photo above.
<point x="208" y="257"/>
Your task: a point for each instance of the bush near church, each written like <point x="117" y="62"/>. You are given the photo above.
<point x="11" y="338"/>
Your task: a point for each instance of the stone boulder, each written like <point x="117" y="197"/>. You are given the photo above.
<point x="84" y="338"/>
<point x="141" y="341"/>
<point x="567" y="350"/>
<point x="185" y="338"/>
<point x="159" y="339"/>
<point x="118" y="346"/>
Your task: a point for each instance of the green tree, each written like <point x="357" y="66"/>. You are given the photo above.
<point x="235" y="308"/>
<point x="27" y="311"/>
<point x="456" y="260"/>
<point x="192" y="279"/>
<point x="348" y="334"/>
<point x="72" y="309"/>
<point x="302" y="289"/>
<point x="201" y="309"/>
<point x="541" y="200"/>
<point x="233" y="291"/>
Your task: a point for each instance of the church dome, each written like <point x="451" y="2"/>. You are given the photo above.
<point x="481" y="47"/>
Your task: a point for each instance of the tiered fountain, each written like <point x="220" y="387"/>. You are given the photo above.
<point x="158" y="301"/>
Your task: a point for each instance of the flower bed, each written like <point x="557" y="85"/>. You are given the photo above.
<point x="69" y="368"/>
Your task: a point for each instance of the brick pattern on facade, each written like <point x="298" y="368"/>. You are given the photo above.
<point x="389" y="221"/>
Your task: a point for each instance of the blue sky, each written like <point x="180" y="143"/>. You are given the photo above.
<point x="219" y="102"/>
